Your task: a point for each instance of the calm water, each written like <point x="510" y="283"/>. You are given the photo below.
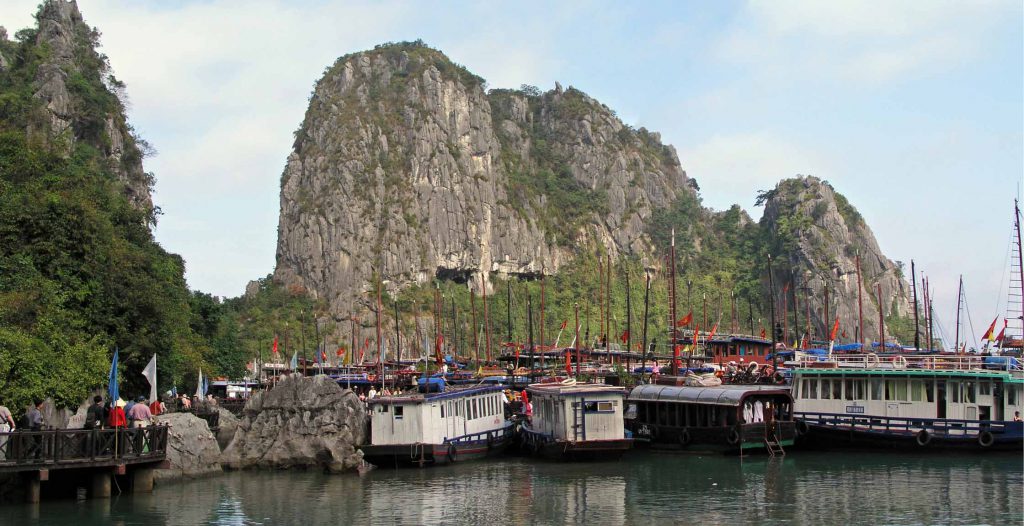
<point x="643" y="488"/>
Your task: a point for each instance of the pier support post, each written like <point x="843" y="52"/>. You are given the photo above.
<point x="142" y="480"/>
<point x="101" y="484"/>
<point x="33" y="485"/>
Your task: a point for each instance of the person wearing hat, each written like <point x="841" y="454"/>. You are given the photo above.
<point x="116" y="418"/>
<point x="140" y="413"/>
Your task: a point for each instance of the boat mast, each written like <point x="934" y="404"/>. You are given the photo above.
<point x="672" y="303"/>
<point x="380" y="343"/>
<point x="529" y="330"/>
<point x="647" y="299"/>
<point x="771" y="304"/>
<point x="827" y="317"/>
<point x="608" y="310"/>
<point x="476" y="336"/>
<point x="455" y="330"/>
<point x="1020" y="266"/>
<point x="600" y="297"/>
<point x="807" y="312"/>
<point x="881" y="319"/>
<point x="860" y="306"/>
<point x="576" y="340"/>
<point x="917" y="329"/>
<point x="542" y="319"/>
<point x="629" y="325"/>
<point x="487" y="323"/>
<point x="959" y="307"/>
<point x="927" y="313"/>
<point x="508" y="312"/>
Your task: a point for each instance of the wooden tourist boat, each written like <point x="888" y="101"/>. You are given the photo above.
<point x="726" y="418"/>
<point x="912" y="402"/>
<point x="575" y="421"/>
<point x="452" y="425"/>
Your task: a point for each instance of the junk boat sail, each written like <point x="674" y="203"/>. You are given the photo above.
<point x="455" y="424"/>
<point x="727" y="418"/>
<point x="576" y="421"/>
<point x="913" y="402"/>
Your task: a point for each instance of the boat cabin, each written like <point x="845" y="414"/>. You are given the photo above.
<point x="722" y="418"/>
<point x="739" y="349"/>
<point x="577" y="412"/>
<point x="436" y="418"/>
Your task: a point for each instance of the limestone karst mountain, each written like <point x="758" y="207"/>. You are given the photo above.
<point x="406" y="167"/>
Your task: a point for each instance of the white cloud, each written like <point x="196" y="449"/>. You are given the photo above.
<point x="731" y="168"/>
<point x="871" y="43"/>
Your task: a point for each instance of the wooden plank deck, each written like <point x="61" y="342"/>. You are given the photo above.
<point x="81" y="448"/>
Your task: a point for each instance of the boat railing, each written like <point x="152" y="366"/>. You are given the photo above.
<point x="940" y="428"/>
<point x="490" y="434"/>
<point x="908" y="361"/>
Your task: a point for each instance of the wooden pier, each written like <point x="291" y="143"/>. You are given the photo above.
<point x="89" y="458"/>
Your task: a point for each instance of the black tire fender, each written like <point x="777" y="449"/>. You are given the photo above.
<point x="733" y="438"/>
<point x="923" y="437"/>
<point x="684" y="437"/>
<point x="802" y="428"/>
<point x="985" y="438"/>
<point x="453" y="453"/>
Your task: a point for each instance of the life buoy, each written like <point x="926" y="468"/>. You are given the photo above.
<point x="871" y="359"/>
<point x="923" y="437"/>
<point x="684" y="437"/>
<point x="899" y="362"/>
<point x="985" y="438"/>
<point x="734" y="437"/>
<point x="453" y="453"/>
<point x="802" y="428"/>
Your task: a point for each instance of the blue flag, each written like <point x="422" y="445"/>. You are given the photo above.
<point x="112" y="381"/>
<point x="295" y="361"/>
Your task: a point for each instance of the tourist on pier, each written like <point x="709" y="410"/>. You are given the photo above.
<point x="34" y="416"/>
<point x="140" y="414"/>
<point x="128" y="407"/>
<point x="1016" y="416"/>
<point x="116" y="418"/>
<point x="94" y="416"/>
<point x="156" y="408"/>
<point x="186" y="403"/>
<point x="372" y="394"/>
<point x="6" y="426"/>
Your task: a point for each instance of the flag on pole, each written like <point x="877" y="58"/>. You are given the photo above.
<point x="835" y="329"/>
<point x="275" y="344"/>
<point x="295" y="361"/>
<point x="764" y="334"/>
<point x="625" y="336"/>
<point x="199" y="384"/>
<point x="685" y="321"/>
<point x="112" y="390"/>
<point x="150" y="373"/>
<point x="991" y="329"/>
<point x="1002" y="332"/>
<point x="562" y="328"/>
<point x="696" y="333"/>
<point x="568" y="360"/>
<point x="713" y="329"/>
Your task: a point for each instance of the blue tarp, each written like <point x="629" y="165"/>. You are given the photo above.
<point x="1001" y="362"/>
<point x="431" y="384"/>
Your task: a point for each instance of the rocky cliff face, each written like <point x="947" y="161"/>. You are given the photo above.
<point x="406" y="166"/>
<point x="818" y="237"/>
<point x="78" y="96"/>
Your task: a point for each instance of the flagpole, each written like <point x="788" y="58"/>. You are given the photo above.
<point x="629" y="325"/>
<point x="917" y="328"/>
<point x="576" y="339"/>
<point x="647" y="298"/>
<point x="672" y="304"/>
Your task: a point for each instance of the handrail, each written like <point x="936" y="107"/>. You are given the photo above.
<point x="75" y="446"/>
<point x="910" y="361"/>
<point x="943" y="427"/>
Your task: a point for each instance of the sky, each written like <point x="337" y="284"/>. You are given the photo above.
<point x="912" y="109"/>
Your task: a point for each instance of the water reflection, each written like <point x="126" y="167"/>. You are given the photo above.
<point x="643" y="488"/>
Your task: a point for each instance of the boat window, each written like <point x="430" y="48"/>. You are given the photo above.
<point x="442" y="410"/>
<point x="916" y="390"/>
<point x="984" y="389"/>
<point x="954" y="392"/>
<point x="382" y="408"/>
<point x="605" y="407"/>
<point x="876" y="389"/>
<point x="826" y="389"/>
<point x="901" y="390"/>
<point x="849" y="389"/>
<point x="1011" y="395"/>
<point x="631" y="412"/>
<point x="399" y="412"/>
<point x="890" y="389"/>
<point x="929" y="390"/>
<point x="969" y="392"/>
<point x="810" y="389"/>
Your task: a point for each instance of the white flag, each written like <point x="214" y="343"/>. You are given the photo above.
<point x="199" y="385"/>
<point x="150" y="373"/>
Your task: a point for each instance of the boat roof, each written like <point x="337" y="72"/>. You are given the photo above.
<point x="558" y="388"/>
<point x="451" y="392"/>
<point x="730" y="395"/>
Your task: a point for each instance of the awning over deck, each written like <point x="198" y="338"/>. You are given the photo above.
<point x="728" y="395"/>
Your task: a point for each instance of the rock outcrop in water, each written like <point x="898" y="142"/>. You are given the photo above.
<point x="303" y="422"/>
<point x="192" y="449"/>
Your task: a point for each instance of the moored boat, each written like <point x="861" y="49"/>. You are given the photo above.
<point x="726" y="418"/>
<point x="930" y="402"/>
<point x="575" y="421"/>
<point x="451" y="425"/>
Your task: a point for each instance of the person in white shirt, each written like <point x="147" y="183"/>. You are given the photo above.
<point x="372" y="394"/>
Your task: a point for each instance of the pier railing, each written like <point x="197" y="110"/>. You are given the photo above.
<point x="67" y="448"/>
<point x="901" y="361"/>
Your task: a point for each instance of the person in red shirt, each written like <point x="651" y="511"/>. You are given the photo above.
<point x="117" y="418"/>
<point x="156" y="408"/>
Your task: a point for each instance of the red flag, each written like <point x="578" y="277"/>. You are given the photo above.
<point x="785" y="289"/>
<point x="696" y="333"/>
<point x="362" y="352"/>
<point x="713" y="329"/>
<point x="568" y="360"/>
<point x="685" y="321"/>
<point x="323" y="356"/>
<point x="625" y="336"/>
<point x="1002" y="332"/>
<point x="835" y="329"/>
<point x="844" y="333"/>
<point x="991" y="329"/>
<point x="275" y="344"/>
<point x="563" y="325"/>
<point x="340" y="352"/>
<point x="764" y="334"/>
